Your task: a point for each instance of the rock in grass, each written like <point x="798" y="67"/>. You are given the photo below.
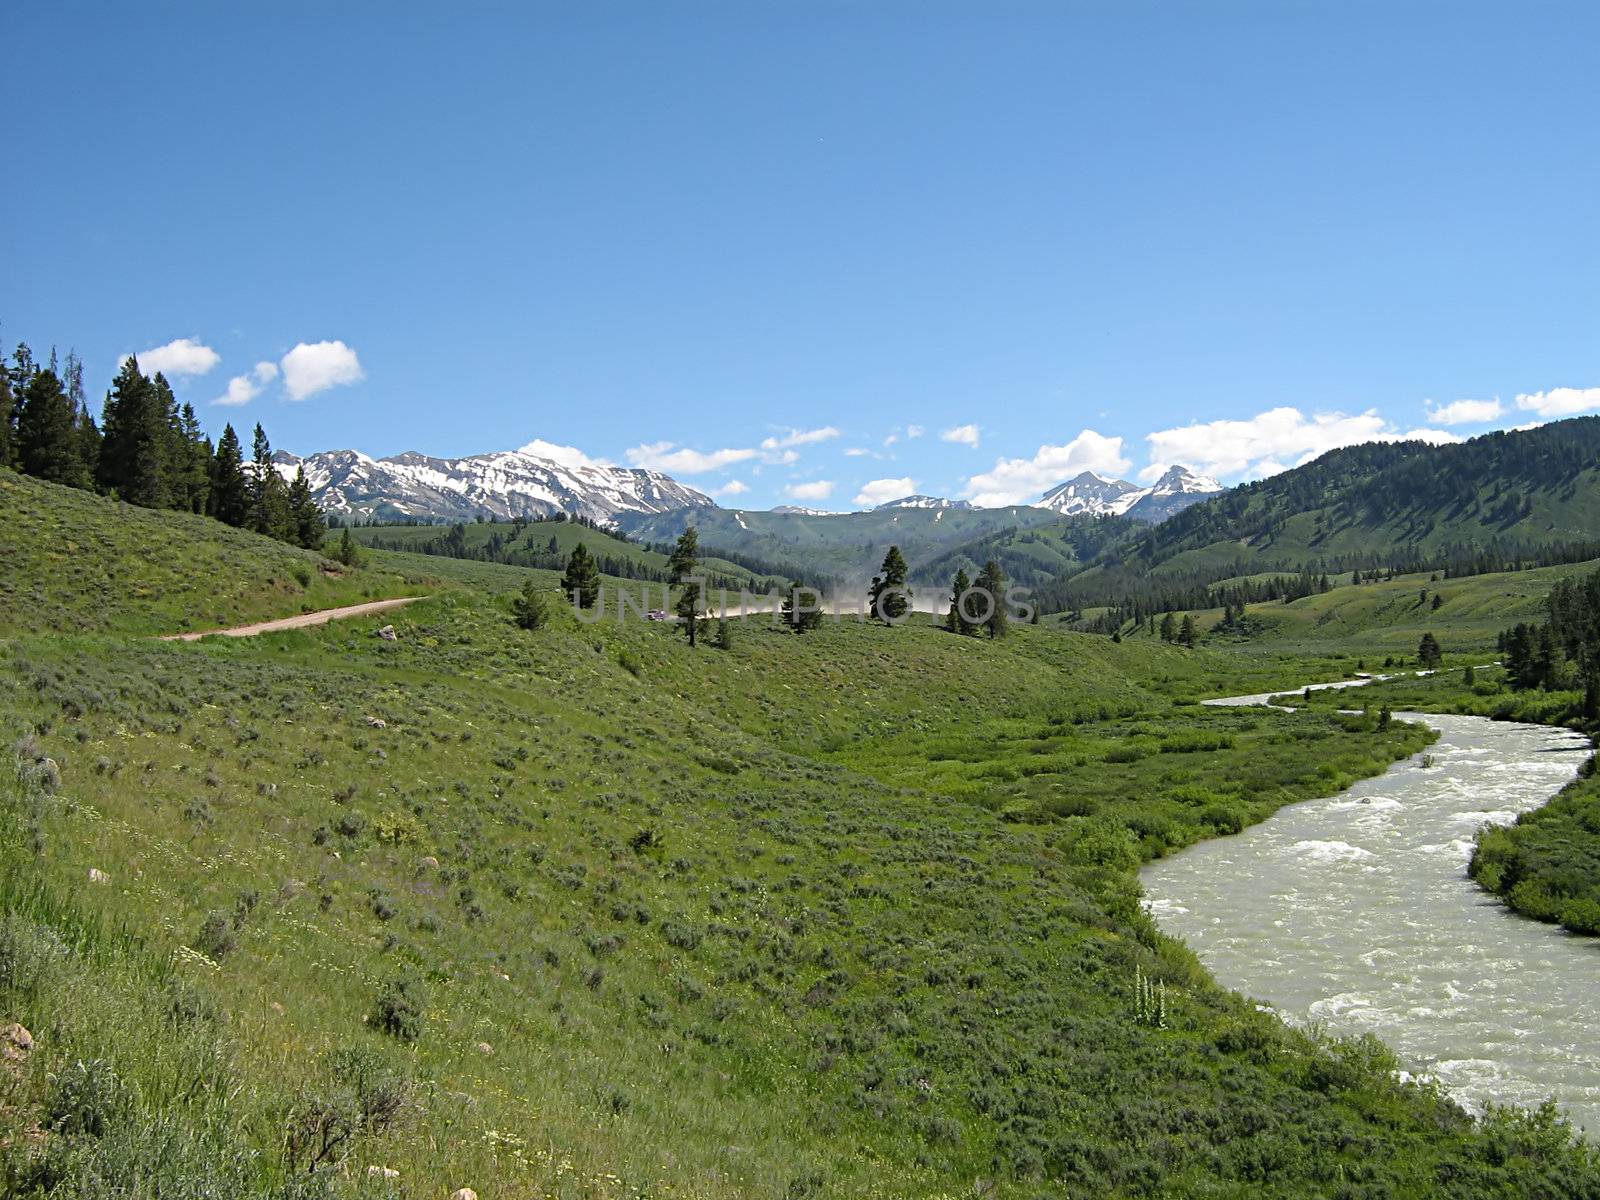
<point x="96" y="875"/>
<point x="463" y="1194"/>
<point x="387" y="633"/>
<point x="382" y="1173"/>
<point x="16" y="1043"/>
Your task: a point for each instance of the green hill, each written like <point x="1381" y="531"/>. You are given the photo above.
<point x="1479" y="505"/>
<point x="581" y="912"/>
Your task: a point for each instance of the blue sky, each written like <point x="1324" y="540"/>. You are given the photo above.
<point x="1106" y="236"/>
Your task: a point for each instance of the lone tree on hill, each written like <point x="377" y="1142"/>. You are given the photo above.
<point x="1428" y="652"/>
<point x="889" y="597"/>
<point x="684" y="569"/>
<point x="531" y="609"/>
<point x="993" y="581"/>
<point x="1169" y="628"/>
<point x="802" y="607"/>
<point x="582" y="580"/>
<point x="956" y="619"/>
<point x="1187" y="633"/>
<point x="685" y="560"/>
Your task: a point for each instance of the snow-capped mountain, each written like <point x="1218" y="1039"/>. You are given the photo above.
<point x="1096" y="495"/>
<point x="538" y="480"/>
<point x="923" y="502"/>
<point x="1172" y="493"/>
<point x="800" y="510"/>
<point x="1091" y="493"/>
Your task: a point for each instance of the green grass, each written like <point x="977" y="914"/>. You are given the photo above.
<point x="849" y="914"/>
<point x="76" y="562"/>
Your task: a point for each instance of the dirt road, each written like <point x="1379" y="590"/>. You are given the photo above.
<point x="300" y="622"/>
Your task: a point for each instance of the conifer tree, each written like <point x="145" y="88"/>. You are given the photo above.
<point x="1188" y="634"/>
<point x="269" y="496"/>
<point x="305" y="518"/>
<point x="685" y="560"/>
<point x="194" y="455"/>
<point x="581" y="583"/>
<point x="956" y="619"/>
<point x="1169" y="628"/>
<point x="889" y="598"/>
<point x="349" y="553"/>
<point x="8" y="419"/>
<point x="229" y="498"/>
<point x="1428" y="652"/>
<point x="134" y="440"/>
<point x="993" y="581"/>
<point x="531" y="609"/>
<point x="802" y="607"/>
<point x="47" y="443"/>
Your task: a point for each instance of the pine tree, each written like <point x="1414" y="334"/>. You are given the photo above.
<point x="993" y="581"/>
<point x="349" y="553"/>
<point x="8" y="419"/>
<point x="688" y="609"/>
<point x="531" y="609"/>
<point x="134" y="440"/>
<point x="889" y="598"/>
<point x="956" y="619"/>
<point x="1169" y="628"/>
<point x="1428" y="652"/>
<point x="269" y="496"/>
<point x="194" y="455"/>
<point x="229" y="497"/>
<point x="1187" y="633"/>
<point x="47" y="444"/>
<point x="581" y="583"/>
<point x="305" y="518"/>
<point x="802" y="607"/>
<point x="685" y="560"/>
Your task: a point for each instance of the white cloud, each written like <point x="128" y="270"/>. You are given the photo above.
<point x="962" y="435"/>
<point x="676" y="460"/>
<point x="185" y="356"/>
<point x="860" y="452"/>
<point x="780" y="458"/>
<point x="313" y="367"/>
<point x="1153" y="472"/>
<point x="244" y="388"/>
<point x="1560" y="402"/>
<point x="1466" y="412"/>
<point x="913" y="431"/>
<point x="881" y="491"/>
<point x="1240" y="447"/>
<point x="566" y="456"/>
<point x="734" y="487"/>
<point x="800" y="437"/>
<point x="1020" y="480"/>
<point x="819" y="489"/>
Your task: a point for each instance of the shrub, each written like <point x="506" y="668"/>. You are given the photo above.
<point x="29" y="954"/>
<point x="216" y="937"/>
<point x="88" y="1097"/>
<point x="399" y="1009"/>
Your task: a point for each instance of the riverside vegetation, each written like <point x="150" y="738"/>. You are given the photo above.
<point x="583" y="912"/>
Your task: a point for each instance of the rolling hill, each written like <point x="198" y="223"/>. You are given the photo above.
<point x="580" y="912"/>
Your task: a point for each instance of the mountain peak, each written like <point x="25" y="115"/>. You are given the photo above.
<point x="1091" y="493"/>
<point x="920" y="501"/>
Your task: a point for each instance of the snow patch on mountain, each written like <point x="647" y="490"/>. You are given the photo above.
<point x="1096" y="495"/>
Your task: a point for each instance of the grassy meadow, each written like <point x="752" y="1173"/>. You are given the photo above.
<point x="582" y="913"/>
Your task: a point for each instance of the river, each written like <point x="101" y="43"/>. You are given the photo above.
<point x="1355" y="911"/>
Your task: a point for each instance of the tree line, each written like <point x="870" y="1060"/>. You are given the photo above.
<point x="146" y="449"/>
<point x="1563" y="652"/>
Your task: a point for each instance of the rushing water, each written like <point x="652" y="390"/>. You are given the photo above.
<point x="1356" y="911"/>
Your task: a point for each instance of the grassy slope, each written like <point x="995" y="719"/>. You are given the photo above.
<point x="844" y="915"/>
<point x="1382" y="619"/>
<point x="78" y="562"/>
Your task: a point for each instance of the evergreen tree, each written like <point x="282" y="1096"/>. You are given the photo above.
<point x="531" y="609"/>
<point x="1187" y="633"/>
<point x="956" y="619"/>
<point x="8" y="419"/>
<point x="724" y="633"/>
<point x="581" y="583"/>
<point x="305" y="518"/>
<point x="993" y="581"/>
<point x="1169" y="628"/>
<point x="269" y="496"/>
<point x="47" y="443"/>
<point x="349" y="553"/>
<point x="685" y="560"/>
<point x="194" y="455"/>
<point x="1428" y="652"/>
<point x="802" y="607"/>
<point x="889" y="598"/>
<point x="228" y="499"/>
<point x="683" y="569"/>
<point x="135" y="437"/>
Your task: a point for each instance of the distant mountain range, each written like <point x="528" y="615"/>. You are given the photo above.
<point x="1094" y="495"/>
<point x="511" y="483"/>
